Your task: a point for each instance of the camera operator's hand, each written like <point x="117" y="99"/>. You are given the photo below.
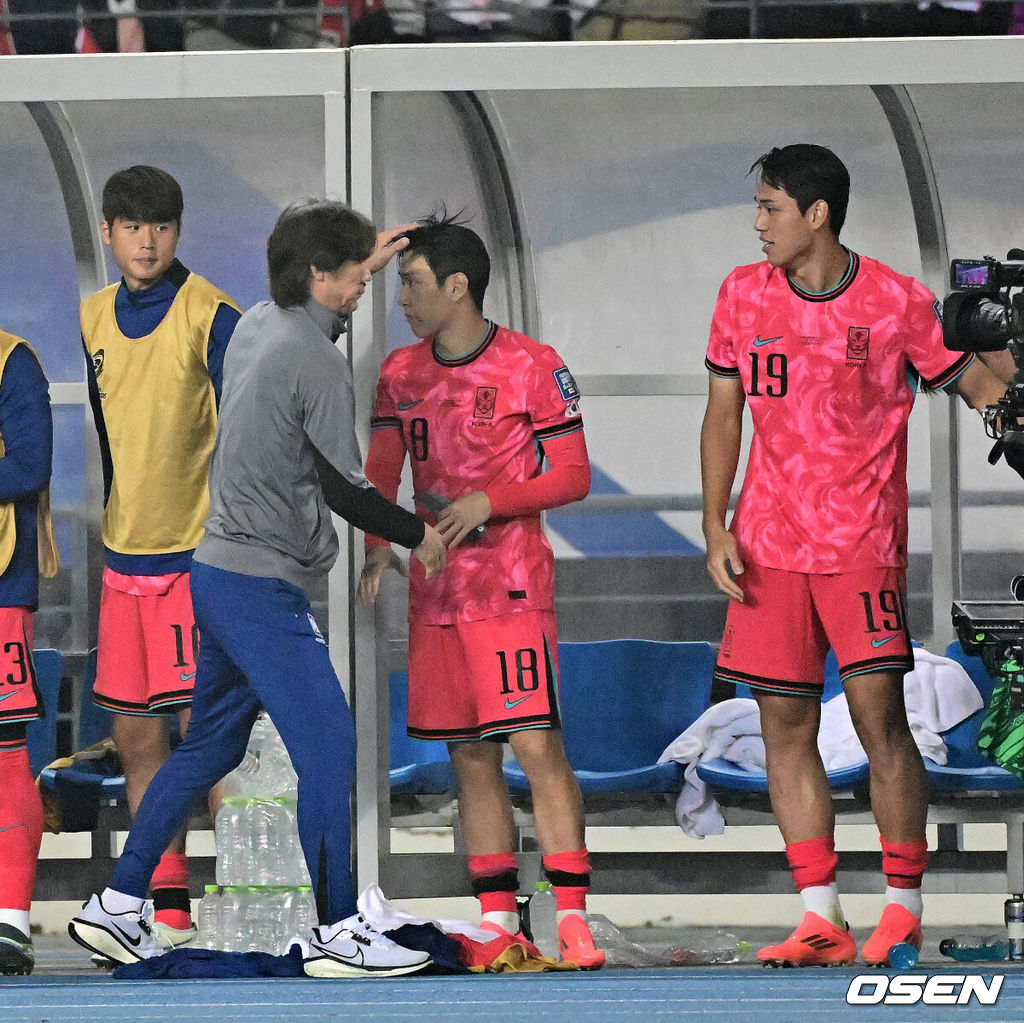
<point x="979" y="386"/>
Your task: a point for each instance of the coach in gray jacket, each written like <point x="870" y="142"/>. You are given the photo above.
<point x="286" y="454"/>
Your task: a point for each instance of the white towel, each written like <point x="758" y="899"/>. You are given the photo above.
<point x="386" y="916"/>
<point x="938" y="693"/>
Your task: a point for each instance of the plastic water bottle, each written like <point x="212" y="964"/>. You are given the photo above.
<point x="209" y="918"/>
<point x="254" y="919"/>
<point x="243" y="781"/>
<point x="304" y="914"/>
<point x="231" y="930"/>
<point x="1013" y="915"/>
<point x="715" y="948"/>
<point x="992" y="948"/>
<point x="542" y="920"/>
<point x="620" y="951"/>
<point x="902" y="956"/>
<point x="287" y="859"/>
<point x="256" y="841"/>
<point x="276" y="767"/>
<point x="228" y="831"/>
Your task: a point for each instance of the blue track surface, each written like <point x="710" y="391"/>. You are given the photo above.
<point x="714" y="995"/>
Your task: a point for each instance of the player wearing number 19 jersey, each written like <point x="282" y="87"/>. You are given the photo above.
<point x="825" y="347"/>
<point x="477" y="408"/>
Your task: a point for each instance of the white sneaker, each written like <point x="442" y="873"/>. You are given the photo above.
<point x="172" y="937"/>
<point x="167" y="937"/>
<point x="353" y="948"/>
<point x="122" y="937"/>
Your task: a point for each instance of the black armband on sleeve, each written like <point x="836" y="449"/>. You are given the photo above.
<point x="367" y="508"/>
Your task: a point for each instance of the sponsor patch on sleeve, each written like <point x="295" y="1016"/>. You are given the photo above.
<point x="566" y="385"/>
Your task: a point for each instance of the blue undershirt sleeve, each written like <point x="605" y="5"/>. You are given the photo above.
<point x="220" y="334"/>
<point x="26" y="423"/>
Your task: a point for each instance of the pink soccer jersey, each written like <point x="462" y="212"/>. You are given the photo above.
<point x="467" y="425"/>
<point x="830" y="380"/>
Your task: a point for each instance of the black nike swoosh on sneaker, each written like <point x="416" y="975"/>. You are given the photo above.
<point x="134" y="942"/>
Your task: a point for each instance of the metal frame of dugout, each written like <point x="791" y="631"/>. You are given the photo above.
<point x="348" y="84"/>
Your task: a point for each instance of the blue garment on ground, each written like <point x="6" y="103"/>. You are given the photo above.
<point x="443" y="949"/>
<point x="260" y="646"/>
<point x="201" y="962"/>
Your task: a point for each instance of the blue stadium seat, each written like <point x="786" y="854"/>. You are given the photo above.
<point x="725" y="776"/>
<point x="41" y="734"/>
<point x="80" y="788"/>
<point x="93" y="721"/>
<point x="967" y="769"/>
<point x="623" y="701"/>
<point x="417" y="767"/>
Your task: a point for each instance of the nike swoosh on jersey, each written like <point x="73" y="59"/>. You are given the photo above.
<point x="7" y="827"/>
<point x="509" y="704"/>
<point x="882" y="642"/>
<point x="404" y="406"/>
<point x="185" y="678"/>
<point x="759" y="341"/>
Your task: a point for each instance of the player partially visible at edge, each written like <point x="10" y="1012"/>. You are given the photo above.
<point x="477" y="407"/>
<point x="827" y="347"/>
<point x="27" y="550"/>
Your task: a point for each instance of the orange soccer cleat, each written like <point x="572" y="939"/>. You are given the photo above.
<point x="897" y="925"/>
<point x="576" y="943"/>
<point x="816" y="942"/>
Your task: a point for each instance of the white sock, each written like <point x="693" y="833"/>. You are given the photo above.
<point x="909" y="898"/>
<point x="824" y="900"/>
<point x="16" y="918"/>
<point x="117" y="902"/>
<point x="506" y="920"/>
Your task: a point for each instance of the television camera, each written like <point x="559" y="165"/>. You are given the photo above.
<point x="985" y="313"/>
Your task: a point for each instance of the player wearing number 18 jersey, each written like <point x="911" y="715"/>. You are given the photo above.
<point x="825" y="346"/>
<point x="477" y="408"/>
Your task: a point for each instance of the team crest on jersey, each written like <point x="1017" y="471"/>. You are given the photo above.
<point x="566" y="385"/>
<point x="486" y="399"/>
<point x="316" y="628"/>
<point x="97" y="362"/>
<point x="857" y="339"/>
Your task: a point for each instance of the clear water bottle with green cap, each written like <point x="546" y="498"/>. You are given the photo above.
<point x="714" y="948"/>
<point x="542" y="920"/>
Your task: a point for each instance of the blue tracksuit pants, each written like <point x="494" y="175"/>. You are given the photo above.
<point x="258" y="645"/>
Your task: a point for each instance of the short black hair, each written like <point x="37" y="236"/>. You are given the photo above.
<point x="808" y="173"/>
<point x="314" y="232"/>
<point x="449" y="247"/>
<point x="146" y="194"/>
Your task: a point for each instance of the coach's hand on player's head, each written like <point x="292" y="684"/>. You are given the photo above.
<point x="724" y="562"/>
<point x="389" y="244"/>
<point x="378" y="561"/>
<point x="431" y="552"/>
<point x="462" y="516"/>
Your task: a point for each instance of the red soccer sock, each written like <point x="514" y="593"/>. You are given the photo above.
<point x="569" y="874"/>
<point x="904" y="863"/>
<point x="171" y="904"/>
<point x="21" y="830"/>
<point x="495" y="878"/>
<point x="812" y="862"/>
